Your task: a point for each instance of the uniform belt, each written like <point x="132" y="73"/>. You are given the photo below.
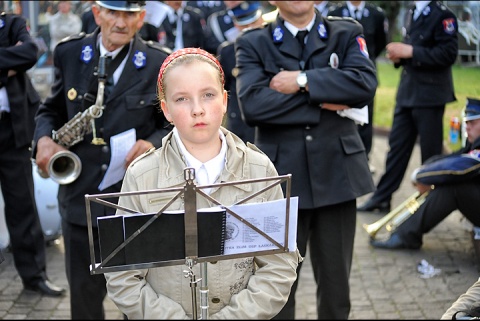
<point x="4" y="115"/>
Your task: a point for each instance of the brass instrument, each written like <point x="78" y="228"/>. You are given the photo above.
<point x="398" y="215"/>
<point x="64" y="167"/>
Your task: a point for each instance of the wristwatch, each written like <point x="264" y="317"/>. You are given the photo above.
<point x="302" y="81"/>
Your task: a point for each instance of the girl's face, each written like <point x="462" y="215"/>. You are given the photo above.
<point x="195" y="102"/>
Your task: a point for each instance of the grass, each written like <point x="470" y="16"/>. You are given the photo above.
<point x="466" y="82"/>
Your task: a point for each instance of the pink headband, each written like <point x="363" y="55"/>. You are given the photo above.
<point x="183" y="52"/>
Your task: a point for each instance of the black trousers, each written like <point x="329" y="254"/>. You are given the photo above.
<point x="26" y="236"/>
<point x="409" y="124"/>
<point x="439" y="203"/>
<point x="87" y="292"/>
<point x="330" y="233"/>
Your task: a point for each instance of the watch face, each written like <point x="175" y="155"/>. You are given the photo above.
<point x="302" y="80"/>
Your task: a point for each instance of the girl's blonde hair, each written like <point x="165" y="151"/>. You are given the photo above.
<point x="182" y="56"/>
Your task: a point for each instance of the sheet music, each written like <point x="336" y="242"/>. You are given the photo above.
<point x="120" y="145"/>
<point x="269" y="217"/>
<point x="156" y="12"/>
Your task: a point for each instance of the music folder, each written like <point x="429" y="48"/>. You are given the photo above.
<point x="162" y="240"/>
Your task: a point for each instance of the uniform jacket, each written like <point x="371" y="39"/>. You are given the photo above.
<point x="426" y="79"/>
<point x="323" y="151"/>
<point x="22" y="96"/>
<point x="193" y="26"/>
<point x="164" y="292"/>
<point x="219" y="24"/>
<point x="133" y="103"/>
<point x="375" y="27"/>
<point x="235" y="123"/>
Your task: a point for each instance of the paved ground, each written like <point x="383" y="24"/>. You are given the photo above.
<point x="385" y="284"/>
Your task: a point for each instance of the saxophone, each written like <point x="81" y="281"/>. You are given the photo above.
<point x="64" y="167"/>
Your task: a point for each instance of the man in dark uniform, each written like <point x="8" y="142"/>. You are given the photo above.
<point x="427" y="53"/>
<point x="291" y="90"/>
<point x="207" y="7"/>
<point x="461" y="192"/>
<point x="183" y="27"/>
<point x="130" y="104"/>
<point x="246" y="15"/>
<point x="18" y="104"/>
<point x="220" y="27"/>
<point x="88" y="20"/>
<point x="375" y="29"/>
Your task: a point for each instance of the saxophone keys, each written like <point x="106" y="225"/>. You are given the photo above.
<point x="98" y="141"/>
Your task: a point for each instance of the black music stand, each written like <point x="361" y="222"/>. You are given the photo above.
<point x="196" y="250"/>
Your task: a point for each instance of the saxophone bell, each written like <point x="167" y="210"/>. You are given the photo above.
<point x="64" y="167"/>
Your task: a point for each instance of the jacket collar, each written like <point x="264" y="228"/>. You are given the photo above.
<point x="236" y="164"/>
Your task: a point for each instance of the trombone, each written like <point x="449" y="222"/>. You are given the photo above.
<point x="398" y="215"/>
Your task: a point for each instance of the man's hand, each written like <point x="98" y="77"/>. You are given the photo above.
<point x="422" y="188"/>
<point x="46" y="148"/>
<point x="334" y="107"/>
<point x="285" y="82"/>
<point x="398" y="50"/>
<point x="140" y="147"/>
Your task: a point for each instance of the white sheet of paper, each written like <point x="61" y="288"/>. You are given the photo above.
<point x="359" y="115"/>
<point x="269" y="217"/>
<point x="156" y="12"/>
<point x="120" y="145"/>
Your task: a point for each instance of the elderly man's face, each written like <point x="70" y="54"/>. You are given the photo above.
<point x="118" y="27"/>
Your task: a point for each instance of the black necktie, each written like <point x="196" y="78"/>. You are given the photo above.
<point x="174" y="24"/>
<point x="301" y="34"/>
<point x="109" y="83"/>
<point x="356" y="17"/>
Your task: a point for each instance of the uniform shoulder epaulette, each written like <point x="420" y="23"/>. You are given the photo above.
<point x="253" y="28"/>
<point x="76" y="36"/>
<point x="158" y="46"/>
<point x="148" y="152"/>
<point x="224" y="44"/>
<point x="250" y="29"/>
<point x="336" y="18"/>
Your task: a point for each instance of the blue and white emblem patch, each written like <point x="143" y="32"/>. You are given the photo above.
<point x="139" y="59"/>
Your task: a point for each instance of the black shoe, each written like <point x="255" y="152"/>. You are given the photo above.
<point x="393" y="242"/>
<point x="45" y="287"/>
<point x="370" y="206"/>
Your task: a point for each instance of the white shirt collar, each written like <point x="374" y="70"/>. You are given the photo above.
<point x="104" y="51"/>
<point x="322" y="7"/>
<point x="213" y="167"/>
<point x="294" y="29"/>
<point x="352" y="8"/>
<point x="420" y="5"/>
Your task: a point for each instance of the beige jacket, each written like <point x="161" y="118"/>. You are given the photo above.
<point x="464" y="302"/>
<point x="244" y="288"/>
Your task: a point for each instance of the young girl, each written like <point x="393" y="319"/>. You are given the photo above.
<point x="190" y="88"/>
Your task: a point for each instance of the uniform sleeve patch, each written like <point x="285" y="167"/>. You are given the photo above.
<point x="449" y="25"/>
<point x="362" y="45"/>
